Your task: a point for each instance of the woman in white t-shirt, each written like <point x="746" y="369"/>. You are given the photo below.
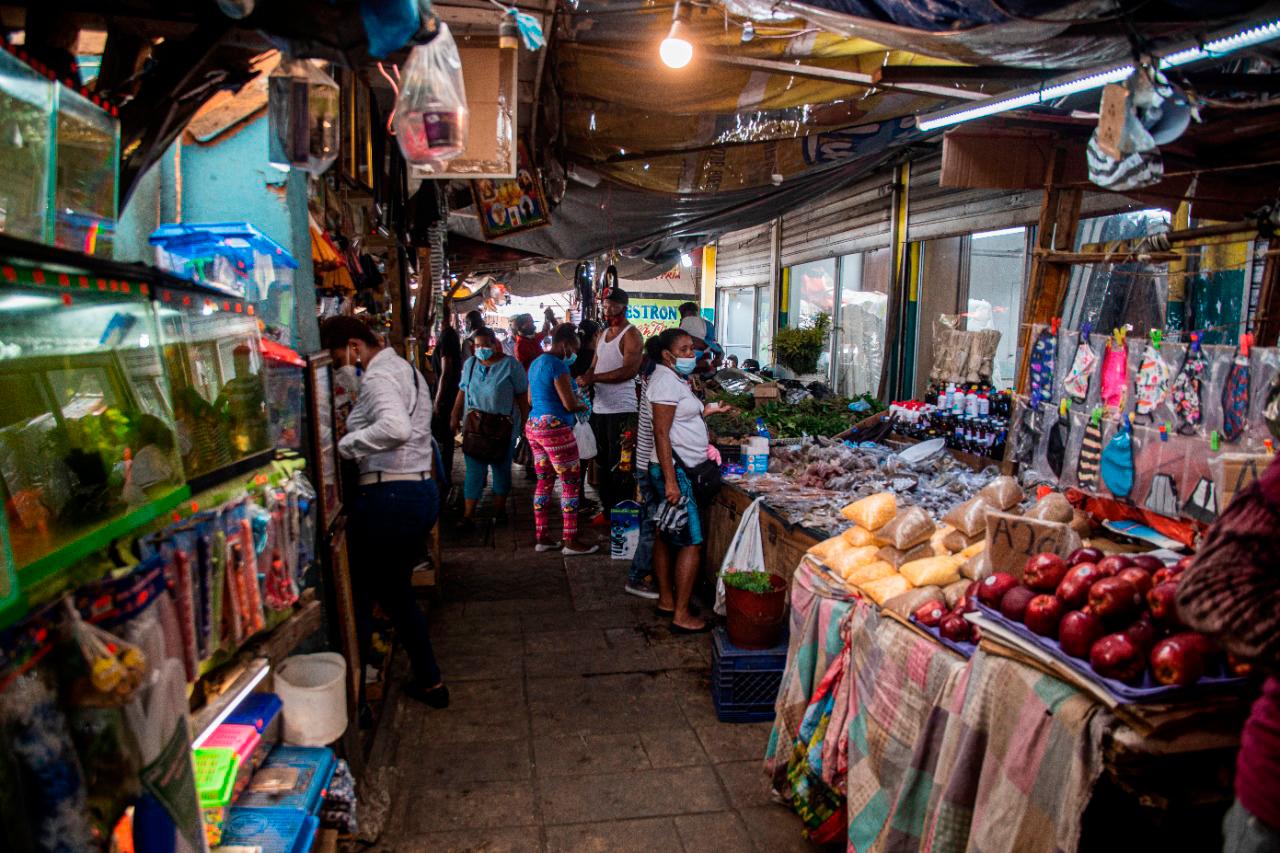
<point x="680" y="443"/>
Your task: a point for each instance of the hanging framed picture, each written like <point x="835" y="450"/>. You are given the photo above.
<point x="324" y="442"/>
<point x="508" y="206"/>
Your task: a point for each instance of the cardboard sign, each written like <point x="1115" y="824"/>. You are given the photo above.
<point x="624" y="530"/>
<point x="1111" y="119"/>
<point x="1011" y="539"/>
<point x="1232" y="472"/>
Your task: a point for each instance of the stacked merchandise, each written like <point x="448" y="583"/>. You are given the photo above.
<point x="972" y="419"/>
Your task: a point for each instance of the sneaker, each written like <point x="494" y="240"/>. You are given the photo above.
<point x="542" y="547"/>
<point x="644" y="588"/>
<point x="570" y="551"/>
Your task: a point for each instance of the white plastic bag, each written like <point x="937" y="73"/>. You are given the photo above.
<point x="586" y="440"/>
<point x="745" y="553"/>
<point x="431" y="110"/>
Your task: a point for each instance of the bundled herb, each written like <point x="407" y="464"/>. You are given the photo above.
<point x="757" y="582"/>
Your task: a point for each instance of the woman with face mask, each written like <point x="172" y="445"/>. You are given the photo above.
<point x="555" y="451"/>
<point x="679" y="444"/>
<point x="494" y="383"/>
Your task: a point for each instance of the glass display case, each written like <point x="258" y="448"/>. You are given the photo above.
<point x="85" y="193"/>
<point x="26" y="148"/>
<point x="88" y="445"/>
<point x="213" y="355"/>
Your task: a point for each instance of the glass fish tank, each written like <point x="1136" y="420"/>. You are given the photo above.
<point x="88" y="445"/>
<point x="213" y="353"/>
<point x="26" y="147"/>
<point x="85" y="191"/>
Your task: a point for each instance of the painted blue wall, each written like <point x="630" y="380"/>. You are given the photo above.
<point x="228" y="180"/>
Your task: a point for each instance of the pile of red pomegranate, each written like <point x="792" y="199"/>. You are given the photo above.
<point x="1116" y="612"/>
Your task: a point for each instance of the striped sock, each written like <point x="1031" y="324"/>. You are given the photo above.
<point x="1090" y="456"/>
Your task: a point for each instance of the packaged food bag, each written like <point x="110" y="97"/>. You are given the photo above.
<point x="886" y="588"/>
<point x="955" y="541"/>
<point x="896" y="557"/>
<point x="970" y="517"/>
<point x="909" y="528"/>
<point x="1003" y="493"/>
<point x="431" y="112"/>
<point x="844" y="562"/>
<point x="857" y="536"/>
<point x="869" y="572"/>
<point x="872" y="512"/>
<point x="931" y="571"/>
<point x="912" y="600"/>
<point x="1052" y="507"/>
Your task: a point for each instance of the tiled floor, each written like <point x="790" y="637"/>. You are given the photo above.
<point x="578" y="721"/>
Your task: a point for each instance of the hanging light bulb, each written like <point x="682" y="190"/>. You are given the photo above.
<point x="686" y="260"/>
<point x="676" y="49"/>
<point x="748" y="32"/>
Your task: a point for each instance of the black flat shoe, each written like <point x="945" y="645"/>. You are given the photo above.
<point x="436" y="697"/>
<point x="694" y="610"/>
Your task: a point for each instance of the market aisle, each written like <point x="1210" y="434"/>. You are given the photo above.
<point x="578" y="722"/>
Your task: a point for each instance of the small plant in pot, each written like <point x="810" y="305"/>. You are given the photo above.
<point x="755" y="604"/>
<point x="798" y="349"/>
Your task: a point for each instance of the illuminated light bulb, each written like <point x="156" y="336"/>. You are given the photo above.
<point x="685" y="260"/>
<point x="676" y="49"/>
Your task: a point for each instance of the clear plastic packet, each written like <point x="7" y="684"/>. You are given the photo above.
<point x="431" y="118"/>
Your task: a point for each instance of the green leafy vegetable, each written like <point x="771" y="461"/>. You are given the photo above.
<point x="757" y="582"/>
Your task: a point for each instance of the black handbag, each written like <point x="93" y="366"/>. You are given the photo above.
<point x="704" y="478"/>
<point x="486" y="436"/>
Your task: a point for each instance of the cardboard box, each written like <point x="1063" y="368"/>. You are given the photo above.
<point x="767" y="391"/>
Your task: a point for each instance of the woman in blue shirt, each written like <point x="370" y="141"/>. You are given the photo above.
<point x="493" y="382"/>
<point x="550" y="435"/>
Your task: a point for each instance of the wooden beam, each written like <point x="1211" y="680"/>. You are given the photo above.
<point x="1125" y="256"/>
<point x="1267" y="322"/>
<point x="960" y="74"/>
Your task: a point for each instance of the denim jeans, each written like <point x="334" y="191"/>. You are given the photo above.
<point x="642" y="561"/>
<point x="1244" y="833"/>
<point x="387" y="534"/>
<point x="477" y="471"/>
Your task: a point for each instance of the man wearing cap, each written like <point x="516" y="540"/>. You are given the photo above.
<point x="619" y="349"/>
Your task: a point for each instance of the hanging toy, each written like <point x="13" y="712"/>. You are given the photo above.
<point x="116" y="668"/>
<point x="1117" y="460"/>
<point x="1115" y="371"/>
<point x="1185" y="391"/>
<point x="1057" y="450"/>
<point x="1042" y="363"/>
<point x="1091" y="453"/>
<point x="1077" y="382"/>
<point x="1235" y="394"/>
<point x="1152" y="385"/>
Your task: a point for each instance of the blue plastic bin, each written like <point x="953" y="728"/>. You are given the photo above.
<point x="273" y="830"/>
<point x="315" y="768"/>
<point x="745" y="682"/>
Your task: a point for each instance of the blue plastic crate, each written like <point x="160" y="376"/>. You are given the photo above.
<point x="315" y="768"/>
<point x="259" y="710"/>
<point x="745" y="682"/>
<point x="273" y="830"/>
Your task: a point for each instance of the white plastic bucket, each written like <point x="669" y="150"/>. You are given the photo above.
<point x="313" y="690"/>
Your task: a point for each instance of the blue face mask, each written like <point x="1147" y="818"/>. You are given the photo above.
<point x="484" y="353"/>
<point x="570" y="359"/>
<point x="685" y="366"/>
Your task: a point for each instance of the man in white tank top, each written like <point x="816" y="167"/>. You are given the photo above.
<point x="613" y="413"/>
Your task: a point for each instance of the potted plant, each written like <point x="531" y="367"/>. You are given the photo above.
<point x="755" y="603"/>
<point x="798" y="349"/>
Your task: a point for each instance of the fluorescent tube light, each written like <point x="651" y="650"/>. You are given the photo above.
<point x="231" y="706"/>
<point x="1218" y="46"/>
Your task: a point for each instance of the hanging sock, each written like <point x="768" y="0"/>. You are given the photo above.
<point x="1057" y="450"/>
<point x="1115" y="371"/>
<point x="1077" y="382"/>
<point x="1235" y="394"/>
<point x="1185" y="391"/>
<point x="1042" y="364"/>
<point x="1202" y="506"/>
<point x="1152" y="384"/>
<point x="1090" y="453"/>
<point x="1117" y="461"/>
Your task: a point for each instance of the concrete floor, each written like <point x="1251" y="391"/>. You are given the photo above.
<point x="578" y="721"/>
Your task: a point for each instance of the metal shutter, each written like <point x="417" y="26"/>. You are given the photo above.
<point x="853" y="220"/>
<point x="743" y="257"/>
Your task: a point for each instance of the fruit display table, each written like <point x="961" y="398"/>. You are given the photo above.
<point x="905" y="744"/>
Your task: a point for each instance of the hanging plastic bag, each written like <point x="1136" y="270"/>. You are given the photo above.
<point x="1077" y="382"/>
<point x="1152" y="385"/>
<point x="303" y="115"/>
<point x="1185" y="391"/>
<point x="431" y="112"/>
<point x="745" y="552"/>
<point x="586" y="438"/>
<point x="1235" y="393"/>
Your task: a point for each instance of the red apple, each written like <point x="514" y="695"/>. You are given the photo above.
<point x="1142" y="632"/>
<point x="1084" y="555"/>
<point x="931" y="613"/>
<point x="991" y="590"/>
<point x="1114" y="598"/>
<point x="1074" y="589"/>
<point x="1163" y="601"/>
<point x="1043" y="572"/>
<point x="1139" y="577"/>
<point x="1149" y="562"/>
<point x="1185" y="563"/>
<point x="1167" y="574"/>
<point x="1015" y="601"/>
<point x="1111" y="566"/>
<point x="1044" y="612"/>
<point x="956" y="628"/>
<point x="1078" y="631"/>
<point x="1116" y="656"/>
<point x="1178" y="659"/>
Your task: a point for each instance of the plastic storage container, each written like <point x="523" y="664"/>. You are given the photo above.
<point x="216" y="770"/>
<point x="234" y="257"/>
<point x="88" y="448"/>
<point x="314" y="766"/>
<point x="86" y="180"/>
<point x="246" y="743"/>
<point x="270" y="830"/>
<point x="313" y="689"/>
<point x="263" y="712"/>
<point x="745" y="683"/>
<point x="26" y="149"/>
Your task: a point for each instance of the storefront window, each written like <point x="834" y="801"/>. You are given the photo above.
<point x="735" y="318"/>
<point x="812" y="291"/>
<point x="997" y="266"/>
<point x="860" y="332"/>
<point x="764" y="322"/>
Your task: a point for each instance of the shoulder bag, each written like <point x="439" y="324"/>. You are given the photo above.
<point x="485" y="435"/>
<point x="704" y="478"/>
